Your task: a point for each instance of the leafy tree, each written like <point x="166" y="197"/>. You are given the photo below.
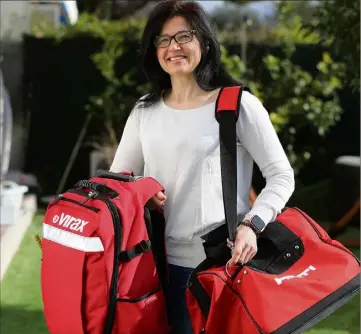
<point x="302" y="103"/>
<point x="291" y="25"/>
<point x="338" y="23"/>
<point x="237" y="68"/>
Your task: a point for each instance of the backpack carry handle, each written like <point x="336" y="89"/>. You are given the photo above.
<point x="115" y="176"/>
<point x="149" y="185"/>
<point x="98" y="187"/>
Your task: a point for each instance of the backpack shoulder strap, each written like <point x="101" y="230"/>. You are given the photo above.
<point x="226" y="113"/>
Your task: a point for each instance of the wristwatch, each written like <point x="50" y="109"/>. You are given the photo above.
<point x="255" y="223"/>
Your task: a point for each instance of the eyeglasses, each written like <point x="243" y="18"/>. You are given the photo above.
<point x="181" y="37"/>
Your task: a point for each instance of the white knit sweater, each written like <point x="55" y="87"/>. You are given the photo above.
<point x="180" y="149"/>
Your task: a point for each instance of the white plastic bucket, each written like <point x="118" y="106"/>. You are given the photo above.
<point x="11" y="201"/>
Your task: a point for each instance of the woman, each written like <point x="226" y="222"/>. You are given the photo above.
<point x="172" y="135"/>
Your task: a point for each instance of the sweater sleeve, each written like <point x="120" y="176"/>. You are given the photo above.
<point x="129" y="154"/>
<point x="258" y="136"/>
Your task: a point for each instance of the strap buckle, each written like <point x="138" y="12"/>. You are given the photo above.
<point x="144" y="245"/>
<point x="140" y="248"/>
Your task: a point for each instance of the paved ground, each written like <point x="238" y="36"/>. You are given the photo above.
<point x="3" y="230"/>
<point x="12" y="235"/>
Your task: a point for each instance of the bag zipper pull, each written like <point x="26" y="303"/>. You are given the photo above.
<point x="91" y="195"/>
<point x="56" y="199"/>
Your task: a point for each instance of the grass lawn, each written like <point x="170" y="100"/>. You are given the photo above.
<point x="21" y="306"/>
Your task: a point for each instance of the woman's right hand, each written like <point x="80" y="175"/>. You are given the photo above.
<point x="157" y="201"/>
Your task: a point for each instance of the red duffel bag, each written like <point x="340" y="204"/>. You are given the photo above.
<point x="298" y="277"/>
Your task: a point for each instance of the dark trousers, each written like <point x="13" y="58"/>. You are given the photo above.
<point x="176" y="299"/>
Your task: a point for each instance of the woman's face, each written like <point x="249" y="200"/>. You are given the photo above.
<point x="178" y="58"/>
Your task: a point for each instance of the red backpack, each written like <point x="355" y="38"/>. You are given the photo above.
<point x="298" y="277"/>
<point x="103" y="258"/>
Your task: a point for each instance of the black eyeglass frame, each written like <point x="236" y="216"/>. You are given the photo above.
<point x="192" y="33"/>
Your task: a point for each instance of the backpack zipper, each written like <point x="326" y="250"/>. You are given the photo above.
<point x="136" y="300"/>
<point x="62" y="198"/>
<point x="117" y="224"/>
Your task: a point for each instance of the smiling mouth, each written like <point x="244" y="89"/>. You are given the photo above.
<point x="176" y="58"/>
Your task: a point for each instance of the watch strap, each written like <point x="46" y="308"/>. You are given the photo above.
<point x="248" y="224"/>
<point x="255" y="223"/>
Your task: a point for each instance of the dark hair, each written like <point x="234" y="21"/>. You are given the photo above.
<point x="210" y="72"/>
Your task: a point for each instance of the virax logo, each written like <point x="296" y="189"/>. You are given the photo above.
<point x="70" y="222"/>
<point x="303" y="274"/>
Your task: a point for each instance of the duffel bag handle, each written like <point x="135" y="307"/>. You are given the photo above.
<point x="98" y="187"/>
<point x="115" y="176"/>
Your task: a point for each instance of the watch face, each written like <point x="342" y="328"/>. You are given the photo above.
<point x="258" y="223"/>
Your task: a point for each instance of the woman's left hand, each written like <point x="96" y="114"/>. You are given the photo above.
<point x="157" y="201"/>
<point x="245" y="245"/>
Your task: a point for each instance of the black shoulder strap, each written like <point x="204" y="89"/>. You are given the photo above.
<point x="227" y="112"/>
